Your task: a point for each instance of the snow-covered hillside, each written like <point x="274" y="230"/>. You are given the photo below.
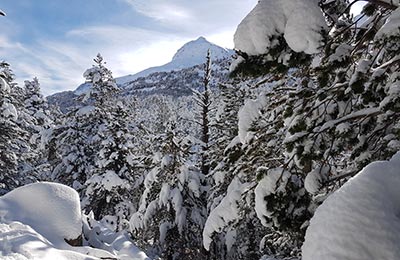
<point x="175" y="78"/>
<point x="191" y="54"/>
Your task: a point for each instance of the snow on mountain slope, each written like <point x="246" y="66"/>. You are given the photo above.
<point x="191" y="54"/>
<point x="176" y="78"/>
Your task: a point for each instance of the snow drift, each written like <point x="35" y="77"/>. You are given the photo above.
<point x="361" y="220"/>
<point x="51" y="209"/>
<point x="35" y="221"/>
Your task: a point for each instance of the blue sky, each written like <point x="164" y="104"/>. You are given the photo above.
<point x="56" y="40"/>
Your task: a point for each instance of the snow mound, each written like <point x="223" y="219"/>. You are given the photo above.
<point x="300" y="22"/>
<point x="19" y="242"/>
<point x="36" y="219"/>
<point x="361" y="220"/>
<point x="118" y="244"/>
<point x="53" y="210"/>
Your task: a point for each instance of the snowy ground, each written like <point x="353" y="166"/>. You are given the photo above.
<point x="361" y="220"/>
<point x="35" y="221"/>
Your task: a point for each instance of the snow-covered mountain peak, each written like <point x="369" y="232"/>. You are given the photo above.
<point x="190" y="54"/>
<point x="194" y="52"/>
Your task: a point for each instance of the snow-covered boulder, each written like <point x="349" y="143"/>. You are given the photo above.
<point x="53" y="210"/>
<point x="360" y="221"/>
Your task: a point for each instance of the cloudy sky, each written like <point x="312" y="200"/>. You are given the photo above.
<point x="56" y="40"/>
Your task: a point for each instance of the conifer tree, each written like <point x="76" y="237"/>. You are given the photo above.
<point x="9" y="132"/>
<point x="171" y="214"/>
<point x="78" y="139"/>
<point x="322" y="121"/>
<point x="203" y="101"/>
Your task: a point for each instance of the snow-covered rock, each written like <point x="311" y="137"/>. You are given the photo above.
<point x="361" y="220"/>
<point x="300" y="22"/>
<point x="53" y="210"/>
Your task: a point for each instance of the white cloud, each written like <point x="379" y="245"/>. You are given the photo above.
<point x="60" y="62"/>
<point x="59" y="65"/>
<point x="162" y="11"/>
<point x="194" y="16"/>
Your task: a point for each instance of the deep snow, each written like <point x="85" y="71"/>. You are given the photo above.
<point x="36" y="219"/>
<point x="360" y="221"/>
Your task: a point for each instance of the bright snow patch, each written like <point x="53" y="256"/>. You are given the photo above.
<point x="272" y="183"/>
<point x="51" y="209"/>
<point x="4" y="87"/>
<point x="300" y="22"/>
<point x="37" y="218"/>
<point x="19" y="242"/>
<point x="226" y="212"/>
<point x="118" y="245"/>
<point x="8" y="110"/>
<point x="250" y="112"/>
<point x="361" y="220"/>
<point x="391" y="27"/>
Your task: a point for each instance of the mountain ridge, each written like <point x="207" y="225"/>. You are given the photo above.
<point x="190" y="54"/>
<point x="175" y="78"/>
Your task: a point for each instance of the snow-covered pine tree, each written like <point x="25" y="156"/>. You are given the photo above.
<point x="9" y="132"/>
<point x="114" y="189"/>
<point x="203" y="101"/>
<point x="35" y="119"/>
<point x="77" y="140"/>
<point x="323" y="120"/>
<point x="171" y="213"/>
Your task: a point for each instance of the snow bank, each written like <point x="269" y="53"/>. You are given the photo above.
<point x="19" y="242"/>
<point x="117" y="244"/>
<point x="300" y="22"/>
<point x="361" y="220"/>
<point x="35" y="220"/>
<point x="53" y="210"/>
